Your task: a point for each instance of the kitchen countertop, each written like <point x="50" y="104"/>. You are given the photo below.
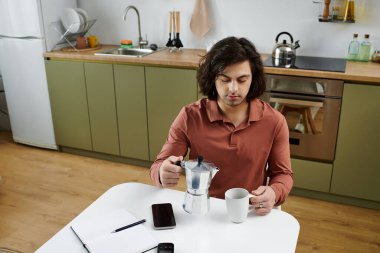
<point x="357" y="72"/>
<point x="187" y="58"/>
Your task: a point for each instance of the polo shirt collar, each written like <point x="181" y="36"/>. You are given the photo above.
<point x="256" y="110"/>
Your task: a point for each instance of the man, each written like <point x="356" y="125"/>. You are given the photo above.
<point x="243" y="136"/>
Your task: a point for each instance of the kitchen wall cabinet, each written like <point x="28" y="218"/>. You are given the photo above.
<point x="68" y="99"/>
<point x="357" y="161"/>
<point x="102" y="107"/>
<point x="131" y="111"/>
<point x="168" y="90"/>
<point x="311" y="175"/>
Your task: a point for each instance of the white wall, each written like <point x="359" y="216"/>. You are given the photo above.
<point x="258" y="20"/>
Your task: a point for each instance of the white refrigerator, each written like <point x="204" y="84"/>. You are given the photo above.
<point x="24" y="35"/>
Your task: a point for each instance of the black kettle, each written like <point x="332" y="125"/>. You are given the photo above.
<point x="284" y="50"/>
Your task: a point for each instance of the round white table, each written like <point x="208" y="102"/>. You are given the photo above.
<point x="210" y="233"/>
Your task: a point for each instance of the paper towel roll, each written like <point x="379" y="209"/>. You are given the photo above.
<point x="200" y="22"/>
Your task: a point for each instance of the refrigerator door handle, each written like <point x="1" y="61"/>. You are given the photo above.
<point x="20" y="37"/>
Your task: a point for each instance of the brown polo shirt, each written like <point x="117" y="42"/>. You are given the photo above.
<point x="241" y="153"/>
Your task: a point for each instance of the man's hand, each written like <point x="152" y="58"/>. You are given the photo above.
<point x="264" y="199"/>
<point x="169" y="172"/>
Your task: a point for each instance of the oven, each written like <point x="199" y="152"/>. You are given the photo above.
<point x="311" y="107"/>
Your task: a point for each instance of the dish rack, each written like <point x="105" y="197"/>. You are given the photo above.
<point x="66" y="37"/>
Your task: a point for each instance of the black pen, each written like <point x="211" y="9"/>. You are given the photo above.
<point x="128" y="226"/>
<point x="84" y="245"/>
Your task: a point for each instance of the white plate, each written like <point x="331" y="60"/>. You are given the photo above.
<point x="71" y="20"/>
<point x="82" y="24"/>
<point x="83" y="15"/>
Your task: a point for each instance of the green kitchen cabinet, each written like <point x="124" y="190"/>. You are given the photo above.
<point x="356" y="170"/>
<point x="68" y="99"/>
<point x="102" y="107"/>
<point x="131" y="111"/>
<point x="311" y="175"/>
<point x="168" y="90"/>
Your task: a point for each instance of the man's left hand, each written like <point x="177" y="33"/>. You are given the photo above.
<point x="263" y="200"/>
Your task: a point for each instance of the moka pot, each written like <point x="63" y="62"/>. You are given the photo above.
<point x="199" y="174"/>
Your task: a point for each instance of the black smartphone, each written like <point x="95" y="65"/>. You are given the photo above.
<point x="165" y="247"/>
<point x="163" y="216"/>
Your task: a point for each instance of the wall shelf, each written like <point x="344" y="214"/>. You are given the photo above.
<point x="335" y="20"/>
<point x="334" y="12"/>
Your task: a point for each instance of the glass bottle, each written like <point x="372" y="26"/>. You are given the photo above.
<point x="335" y="9"/>
<point x="340" y="8"/>
<point x="365" y="49"/>
<point x="349" y="11"/>
<point x="353" y="49"/>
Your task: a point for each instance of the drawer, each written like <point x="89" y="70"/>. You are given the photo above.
<point x="311" y="175"/>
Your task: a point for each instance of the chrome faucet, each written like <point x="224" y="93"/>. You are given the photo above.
<point x="142" y="42"/>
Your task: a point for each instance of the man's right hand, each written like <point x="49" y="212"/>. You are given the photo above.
<point x="169" y="172"/>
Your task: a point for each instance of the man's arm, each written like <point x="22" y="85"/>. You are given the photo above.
<point x="176" y="145"/>
<point x="279" y="170"/>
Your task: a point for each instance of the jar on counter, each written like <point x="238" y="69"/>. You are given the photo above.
<point x="376" y="56"/>
<point x="92" y="41"/>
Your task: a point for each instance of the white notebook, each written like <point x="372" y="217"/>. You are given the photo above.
<point x="95" y="234"/>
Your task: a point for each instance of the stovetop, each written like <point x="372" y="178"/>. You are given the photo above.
<point x="310" y="63"/>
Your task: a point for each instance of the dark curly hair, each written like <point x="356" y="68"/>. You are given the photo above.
<point x="224" y="53"/>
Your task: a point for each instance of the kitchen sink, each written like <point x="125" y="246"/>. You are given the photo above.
<point x="127" y="52"/>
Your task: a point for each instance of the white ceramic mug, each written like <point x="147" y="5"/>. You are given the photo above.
<point x="237" y="202"/>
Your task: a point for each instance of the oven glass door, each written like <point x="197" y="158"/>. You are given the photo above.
<point x="305" y="86"/>
<point x="304" y="115"/>
<point x="312" y="121"/>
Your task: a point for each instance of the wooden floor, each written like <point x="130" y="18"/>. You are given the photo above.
<point x="42" y="190"/>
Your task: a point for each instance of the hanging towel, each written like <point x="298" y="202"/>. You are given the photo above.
<point x="200" y="22"/>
